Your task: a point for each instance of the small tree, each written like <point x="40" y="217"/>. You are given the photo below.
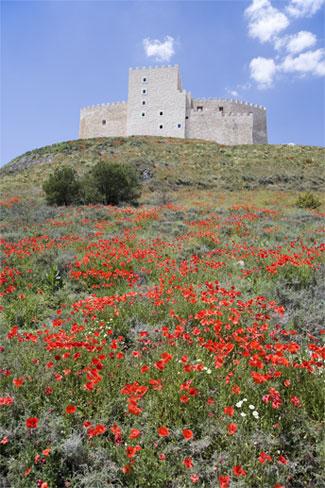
<point x="62" y="187"/>
<point x="115" y="182"/>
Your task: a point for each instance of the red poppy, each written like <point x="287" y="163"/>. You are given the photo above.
<point x="134" y="434"/>
<point x="70" y="409"/>
<point x="188" y="463"/>
<point x="229" y="411"/>
<point x="96" y="430"/>
<point x="224" y="481"/>
<point x="195" y="478"/>
<point x="31" y="422"/>
<point x="232" y="429"/>
<point x="188" y="434"/>
<point x="163" y="431"/>
<point x="282" y="459"/>
<point x="239" y="471"/>
<point x="263" y="457"/>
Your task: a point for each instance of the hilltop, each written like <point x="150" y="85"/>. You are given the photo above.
<point x="168" y="164"/>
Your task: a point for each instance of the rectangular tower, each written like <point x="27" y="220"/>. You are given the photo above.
<point x="156" y="102"/>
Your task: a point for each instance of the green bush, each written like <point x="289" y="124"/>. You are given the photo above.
<point x="308" y="200"/>
<point x="112" y="183"/>
<point x="62" y="187"/>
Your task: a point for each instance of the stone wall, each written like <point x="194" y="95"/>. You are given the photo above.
<point x="226" y="121"/>
<point x="158" y="106"/>
<point x="105" y="120"/>
<point x="156" y="102"/>
<point x="224" y="129"/>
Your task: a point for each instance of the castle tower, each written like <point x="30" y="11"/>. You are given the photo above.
<point x="156" y="102"/>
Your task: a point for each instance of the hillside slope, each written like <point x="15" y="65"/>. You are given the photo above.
<point x="169" y="164"/>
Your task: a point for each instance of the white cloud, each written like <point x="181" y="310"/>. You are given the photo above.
<point x="159" y="50"/>
<point x="262" y="71"/>
<point x="265" y="21"/>
<point x="233" y="93"/>
<point x="304" y="8"/>
<point x="312" y="62"/>
<point x="297" y="42"/>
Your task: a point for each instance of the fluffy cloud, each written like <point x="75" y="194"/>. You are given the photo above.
<point x="265" y="21"/>
<point x="312" y="62"/>
<point x="296" y="43"/>
<point x="159" y="50"/>
<point x="262" y="71"/>
<point x="304" y="8"/>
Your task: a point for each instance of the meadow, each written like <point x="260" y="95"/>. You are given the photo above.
<point x="173" y="344"/>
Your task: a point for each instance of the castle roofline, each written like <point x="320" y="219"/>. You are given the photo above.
<point x="155" y="67"/>
<point x="109" y="104"/>
<point x="239" y="102"/>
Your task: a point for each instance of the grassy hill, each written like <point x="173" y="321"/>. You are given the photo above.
<point x="167" y="164"/>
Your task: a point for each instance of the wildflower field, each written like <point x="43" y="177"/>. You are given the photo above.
<point x="170" y="345"/>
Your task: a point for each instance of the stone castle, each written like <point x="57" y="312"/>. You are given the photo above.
<point x="158" y="106"/>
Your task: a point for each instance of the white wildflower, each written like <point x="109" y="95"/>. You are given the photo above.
<point x="251" y="407"/>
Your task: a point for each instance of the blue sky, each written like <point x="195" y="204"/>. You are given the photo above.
<point x="59" y="56"/>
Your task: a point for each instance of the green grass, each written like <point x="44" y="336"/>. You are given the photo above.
<point x="175" y="164"/>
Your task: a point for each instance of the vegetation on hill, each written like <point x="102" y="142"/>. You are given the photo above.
<point x="169" y="345"/>
<point x="173" y="164"/>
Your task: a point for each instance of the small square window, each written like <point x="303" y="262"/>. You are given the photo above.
<point x="161" y="127"/>
<point x="179" y="125"/>
<point x="143" y="102"/>
<point x="220" y="109"/>
<point x="143" y="114"/>
<point x="144" y="79"/>
<point x="186" y="117"/>
<point x="199" y="108"/>
<point x="103" y="122"/>
<point x="144" y="91"/>
<point x="161" y="113"/>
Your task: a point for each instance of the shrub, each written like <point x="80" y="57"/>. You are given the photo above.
<point x="62" y="187"/>
<point x="114" y="183"/>
<point x="308" y="200"/>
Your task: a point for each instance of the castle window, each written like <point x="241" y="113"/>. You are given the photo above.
<point x="161" y="113"/>
<point x="103" y="122"/>
<point x="186" y="117"/>
<point x="144" y="91"/>
<point x="161" y="127"/>
<point x="179" y="125"/>
<point x="199" y="108"/>
<point x="220" y="109"/>
<point x="143" y="102"/>
<point x="144" y="79"/>
<point x="143" y="114"/>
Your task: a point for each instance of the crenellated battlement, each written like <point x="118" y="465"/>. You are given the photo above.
<point x="157" y="105"/>
<point x="149" y="68"/>
<point x="109" y="104"/>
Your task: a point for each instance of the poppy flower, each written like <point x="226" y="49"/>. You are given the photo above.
<point x="239" y="471"/>
<point x="163" y="431"/>
<point x="134" y="434"/>
<point x="70" y="409"/>
<point x="187" y="434"/>
<point x="232" y="429"/>
<point x="188" y="463"/>
<point x="31" y="422"/>
<point x="195" y="478"/>
<point x="229" y="411"/>
<point x="224" y="481"/>
<point x="96" y="430"/>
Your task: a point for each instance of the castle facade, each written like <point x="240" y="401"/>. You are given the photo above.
<point x="158" y="106"/>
